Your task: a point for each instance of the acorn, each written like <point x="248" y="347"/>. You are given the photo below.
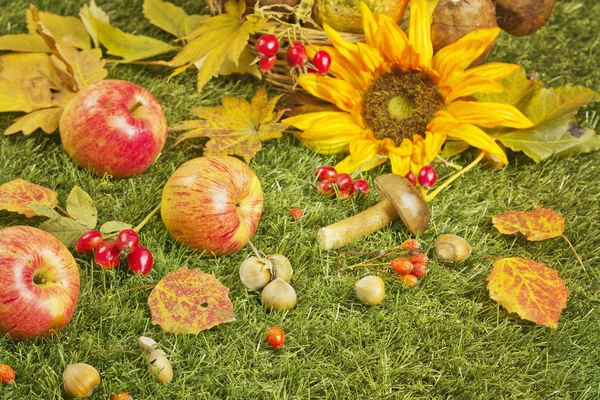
<point x="255" y="272"/>
<point x="452" y="249"/>
<point x="278" y="295"/>
<point x="79" y="380"/>
<point x="370" y="290"/>
<point x="523" y="17"/>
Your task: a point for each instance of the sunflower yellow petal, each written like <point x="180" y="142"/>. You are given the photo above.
<point x="333" y="90"/>
<point x="478" y="138"/>
<point x="419" y="33"/>
<point x="493" y="70"/>
<point x="488" y="114"/>
<point x="433" y="145"/>
<point x="341" y="67"/>
<point x="364" y="155"/>
<point x="393" y="41"/>
<point x="303" y="121"/>
<point x="442" y="122"/>
<point x="456" y="57"/>
<point x="369" y="24"/>
<point x="469" y="87"/>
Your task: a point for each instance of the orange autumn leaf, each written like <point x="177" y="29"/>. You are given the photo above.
<point x="190" y="301"/>
<point x="535" y="225"/>
<point x="530" y="289"/>
<point x="18" y="196"/>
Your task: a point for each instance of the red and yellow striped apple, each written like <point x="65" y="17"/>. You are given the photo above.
<point x="39" y="283"/>
<point x="113" y="127"/>
<point x="212" y="204"/>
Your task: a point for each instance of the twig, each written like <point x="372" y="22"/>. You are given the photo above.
<point x="148" y="218"/>
<point x="62" y="210"/>
<point x="115" y="351"/>
<point x="576" y="255"/>
<point x="454" y="177"/>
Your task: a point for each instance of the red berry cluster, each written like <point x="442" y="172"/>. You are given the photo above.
<point x="109" y="254"/>
<point x="411" y="268"/>
<point x="427" y="177"/>
<point x="331" y="184"/>
<point x="267" y="47"/>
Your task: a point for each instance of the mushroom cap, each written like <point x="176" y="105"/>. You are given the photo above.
<point x="407" y="199"/>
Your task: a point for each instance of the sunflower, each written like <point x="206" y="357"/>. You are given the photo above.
<point x="398" y="101"/>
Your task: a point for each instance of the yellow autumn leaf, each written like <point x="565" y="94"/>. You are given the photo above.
<point x="239" y="127"/>
<point x="167" y="16"/>
<point x="127" y="46"/>
<point x="23" y="43"/>
<point x="190" y="301"/>
<point x="79" y="68"/>
<point x="65" y="29"/>
<point x="530" y="289"/>
<point x="18" y="195"/>
<point x="535" y="225"/>
<point x="47" y="119"/>
<point x="218" y="38"/>
<point x="88" y="10"/>
<point x="244" y="66"/>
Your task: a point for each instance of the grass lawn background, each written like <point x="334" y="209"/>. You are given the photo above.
<point x="443" y="339"/>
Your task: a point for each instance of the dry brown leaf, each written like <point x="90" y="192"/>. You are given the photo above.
<point x="239" y="127"/>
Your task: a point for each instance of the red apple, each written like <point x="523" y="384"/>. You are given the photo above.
<point x="212" y="204"/>
<point x="39" y="283"/>
<point x="113" y="127"/>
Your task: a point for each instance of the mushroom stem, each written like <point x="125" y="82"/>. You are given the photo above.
<point x="365" y="223"/>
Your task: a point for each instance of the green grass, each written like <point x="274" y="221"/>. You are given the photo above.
<point x="443" y="339"/>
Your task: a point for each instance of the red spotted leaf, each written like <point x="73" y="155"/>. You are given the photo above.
<point x="535" y="225"/>
<point x="530" y="289"/>
<point x="190" y="301"/>
<point x="19" y="195"/>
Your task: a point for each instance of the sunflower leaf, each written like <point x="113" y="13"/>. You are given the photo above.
<point x="218" y="38"/>
<point x="239" y="127"/>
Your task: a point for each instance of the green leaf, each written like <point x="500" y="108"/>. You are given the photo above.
<point x="23" y="43"/>
<point x="453" y="147"/>
<point x="127" y="46"/>
<point x="66" y="230"/>
<point x="44" y="210"/>
<point x="167" y="16"/>
<point x="548" y="104"/>
<point x="114" y="226"/>
<point x="81" y="207"/>
<point x="518" y="90"/>
<point x="560" y="137"/>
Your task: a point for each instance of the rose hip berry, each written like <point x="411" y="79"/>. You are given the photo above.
<point x="296" y="55"/>
<point x="409" y="280"/>
<point x="325" y="188"/>
<point x="296" y="213"/>
<point x="121" y="396"/>
<point x="420" y="270"/>
<point x="267" y="46"/>
<point x="427" y="177"/>
<point x="326" y="172"/>
<point x="411" y="178"/>
<point x="128" y="240"/>
<point x="411" y="245"/>
<point x="322" y="62"/>
<point x="344" y="194"/>
<point x="107" y="255"/>
<point x="7" y="374"/>
<point x="140" y="261"/>
<point x="402" y="265"/>
<point x="89" y="241"/>
<point x="343" y="181"/>
<point x="266" y="64"/>
<point x="360" y="187"/>
<point x="419" y="259"/>
<point x="275" y="337"/>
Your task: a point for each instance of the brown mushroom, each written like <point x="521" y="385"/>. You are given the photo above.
<point x="401" y="199"/>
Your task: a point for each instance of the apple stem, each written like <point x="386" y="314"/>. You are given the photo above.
<point x="147" y="218"/>
<point x="135" y="107"/>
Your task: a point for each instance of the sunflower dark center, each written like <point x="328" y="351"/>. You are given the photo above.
<point x="400" y="104"/>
